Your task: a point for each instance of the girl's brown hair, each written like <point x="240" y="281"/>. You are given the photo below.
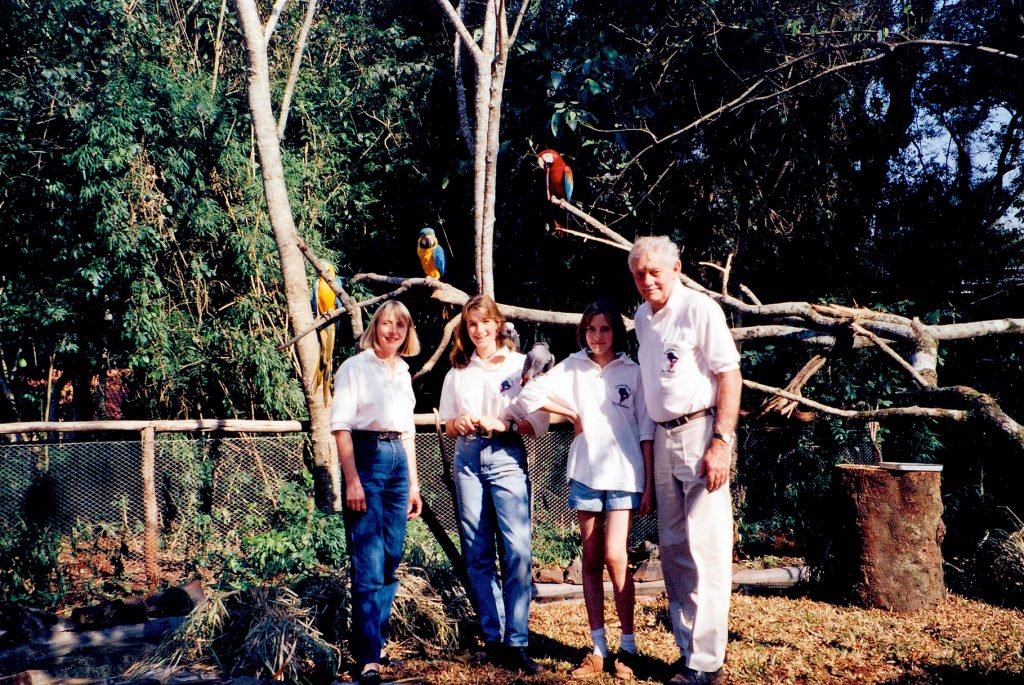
<point x="462" y="345"/>
<point x="614" y="316"/>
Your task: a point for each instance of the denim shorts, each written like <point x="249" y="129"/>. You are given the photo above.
<point x="584" y="498"/>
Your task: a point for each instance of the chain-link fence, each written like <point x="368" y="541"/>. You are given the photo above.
<point x="233" y="480"/>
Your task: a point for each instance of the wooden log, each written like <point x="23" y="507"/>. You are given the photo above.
<point x="891" y="528"/>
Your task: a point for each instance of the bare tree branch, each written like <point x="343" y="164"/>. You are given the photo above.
<point x="275" y="14"/>
<point x="900" y="361"/>
<point x="868" y="414"/>
<point x="460" y="28"/>
<point x="460" y="91"/>
<point x="621" y="242"/>
<point x="293" y="75"/>
<point x="347" y="301"/>
<point x="446" y="336"/>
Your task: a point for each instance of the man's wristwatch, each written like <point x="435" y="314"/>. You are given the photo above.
<point x="727" y="438"/>
<point x="513" y="427"/>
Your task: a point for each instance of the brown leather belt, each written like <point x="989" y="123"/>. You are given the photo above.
<point x="683" y="420"/>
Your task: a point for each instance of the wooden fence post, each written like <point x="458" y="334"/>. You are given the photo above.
<point x="149" y="505"/>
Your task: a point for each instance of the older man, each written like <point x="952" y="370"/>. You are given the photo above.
<point x="690" y="370"/>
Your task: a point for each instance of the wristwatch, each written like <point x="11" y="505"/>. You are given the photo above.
<point x="727" y="438"/>
<point x="513" y="427"/>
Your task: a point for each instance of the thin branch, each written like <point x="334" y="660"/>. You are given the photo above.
<point x="622" y="242"/>
<point x="750" y="294"/>
<point x="446" y="336"/>
<point x="460" y="92"/>
<point x="900" y="361"/>
<point x="587" y="236"/>
<point x="460" y="28"/>
<point x="348" y="302"/>
<point x="293" y="75"/>
<point x="518" y="23"/>
<point x="867" y="415"/>
<point x="271" y="24"/>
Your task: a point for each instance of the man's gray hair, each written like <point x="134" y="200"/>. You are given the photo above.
<point x="656" y="249"/>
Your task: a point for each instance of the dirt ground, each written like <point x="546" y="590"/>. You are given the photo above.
<point x="777" y="639"/>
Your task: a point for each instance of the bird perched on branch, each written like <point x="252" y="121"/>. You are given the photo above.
<point x="324" y="302"/>
<point x="539" y="360"/>
<point x="557" y="181"/>
<point x="431" y="254"/>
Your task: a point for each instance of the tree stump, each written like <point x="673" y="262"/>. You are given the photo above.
<point x="892" y="524"/>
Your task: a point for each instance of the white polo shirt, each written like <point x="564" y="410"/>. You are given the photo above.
<point x="682" y="347"/>
<point x="489" y="389"/>
<point x="370" y="395"/>
<point x="610" y="401"/>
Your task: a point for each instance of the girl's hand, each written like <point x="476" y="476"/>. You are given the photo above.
<point x="355" y="498"/>
<point x="647" y="503"/>
<point x="415" y="504"/>
<point x="577" y="424"/>
<point x="464" y="425"/>
<point x="491" y="423"/>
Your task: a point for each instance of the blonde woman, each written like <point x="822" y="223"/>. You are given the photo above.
<point x="372" y="422"/>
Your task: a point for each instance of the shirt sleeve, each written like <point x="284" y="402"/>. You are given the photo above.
<point x="448" y="409"/>
<point x="541" y="389"/>
<point x="643" y="420"/>
<point x="716" y="342"/>
<point x="346" y="397"/>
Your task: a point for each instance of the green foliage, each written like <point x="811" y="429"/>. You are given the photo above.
<point x="30" y="572"/>
<point x="296" y="539"/>
<point x="555" y="545"/>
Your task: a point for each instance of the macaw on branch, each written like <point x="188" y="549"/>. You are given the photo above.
<point x="557" y="180"/>
<point x="431" y="254"/>
<point x="324" y="301"/>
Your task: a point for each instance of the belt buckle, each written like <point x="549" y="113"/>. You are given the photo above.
<point x="484" y="433"/>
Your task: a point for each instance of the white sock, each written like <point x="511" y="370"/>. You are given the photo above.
<point x="600" y="643"/>
<point x="371" y="667"/>
<point x="627" y="643"/>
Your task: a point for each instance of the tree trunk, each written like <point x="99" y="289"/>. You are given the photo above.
<point x="893" y="524"/>
<point x="300" y="315"/>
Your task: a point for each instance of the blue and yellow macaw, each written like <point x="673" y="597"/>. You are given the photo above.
<point x="431" y="254"/>
<point x="325" y="301"/>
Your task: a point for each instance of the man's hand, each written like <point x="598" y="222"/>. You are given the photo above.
<point x="355" y="498"/>
<point x="647" y="505"/>
<point x="715" y="464"/>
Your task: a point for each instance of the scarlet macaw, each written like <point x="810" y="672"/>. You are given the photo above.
<point x="431" y="254"/>
<point x="557" y="180"/>
<point x="324" y="301"/>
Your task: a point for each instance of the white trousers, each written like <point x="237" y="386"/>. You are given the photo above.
<point x="696" y="534"/>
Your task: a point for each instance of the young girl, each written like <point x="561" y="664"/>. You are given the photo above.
<point x="492" y="484"/>
<point x="599" y="390"/>
<point x="372" y="422"/>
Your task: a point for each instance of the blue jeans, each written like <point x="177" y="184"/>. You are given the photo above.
<point x="375" y="539"/>
<point x="493" y="491"/>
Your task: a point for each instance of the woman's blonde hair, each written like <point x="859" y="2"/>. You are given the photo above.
<point x="370" y="338"/>
<point x="462" y="346"/>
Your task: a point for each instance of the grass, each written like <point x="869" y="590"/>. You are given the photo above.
<point x="777" y="639"/>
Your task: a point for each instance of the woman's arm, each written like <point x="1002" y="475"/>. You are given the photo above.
<point x="355" y="498"/>
<point x="415" y="499"/>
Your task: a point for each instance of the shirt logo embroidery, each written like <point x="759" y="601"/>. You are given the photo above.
<point x="505" y="385"/>
<point x="625" y="392"/>
<point x="671" y="356"/>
